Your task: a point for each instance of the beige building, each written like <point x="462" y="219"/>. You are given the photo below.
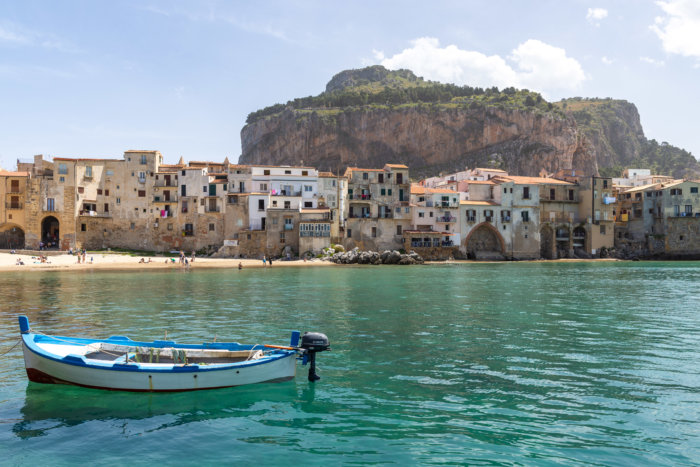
<point x="378" y="207"/>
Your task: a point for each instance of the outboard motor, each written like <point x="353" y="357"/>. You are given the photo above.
<point x="313" y="342"/>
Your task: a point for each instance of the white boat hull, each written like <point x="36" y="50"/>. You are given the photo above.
<point x="154" y="378"/>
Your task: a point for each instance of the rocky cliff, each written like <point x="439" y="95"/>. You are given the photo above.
<point x="373" y="116"/>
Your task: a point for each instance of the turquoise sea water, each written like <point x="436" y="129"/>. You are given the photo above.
<point x="513" y="363"/>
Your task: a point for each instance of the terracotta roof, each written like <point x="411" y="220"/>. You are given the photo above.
<point x="479" y="182"/>
<point x="138" y="150"/>
<point x="532" y="180"/>
<point x="358" y="169"/>
<point x="479" y="203"/>
<point x="86" y="159"/>
<point x="326" y="174"/>
<point x="218" y="182"/>
<point x="5" y="173"/>
<point x="396" y="166"/>
<point x="418" y="190"/>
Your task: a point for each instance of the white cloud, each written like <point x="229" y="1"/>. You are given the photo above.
<point x="679" y="29"/>
<point x="537" y="66"/>
<point x="651" y="61"/>
<point x="594" y="15"/>
<point x="9" y="33"/>
<point x="15" y="34"/>
<point x="607" y="61"/>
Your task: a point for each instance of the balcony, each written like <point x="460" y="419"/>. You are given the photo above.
<point x="446" y="219"/>
<point x="434" y="244"/>
<point x="165" y="214"/>
<point x="359" y="197"/>
<point x="505" y="219"/>
<point x="386" y="215"/>
<point x="447" y="204"/>
<point x="546" y="198"/>
<point x="85" y="213"/>
<point x="163" y="199"/>
<point x="471" y="219"/>
<point x="212" y="209"/>
<point x="285" y="193"/>
<point x="288" y="226"/>
<point x="165" y="183"/>
<point x="9" y="205"/>
<point x="15" y="190"/>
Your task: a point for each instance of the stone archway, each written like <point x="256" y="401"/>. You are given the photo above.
<point x="546" y="242"/>
<point x="11" y="237"/>
<point x="485" y="242"/>
<point x="50" y="233"/>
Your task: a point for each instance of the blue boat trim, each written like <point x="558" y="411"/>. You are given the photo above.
<point x="30" y="341"/>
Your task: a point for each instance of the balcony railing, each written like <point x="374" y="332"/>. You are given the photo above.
<point x="447" y="219"/>
<point x="361" y="197"/>
<point x="433" y="244"/>
<point x="15" y="191"/>
<point x="447" y="204"/>
<point x="212" y="209"/>
<point x="359" y="216"/>
<point x="285" y="193"/>
<point x="165" y="183"/>
<point x="288" y="227"/>
<point x="13" y="205"/>
<point x="162" y="199"/>
<point x="86" y="213"/>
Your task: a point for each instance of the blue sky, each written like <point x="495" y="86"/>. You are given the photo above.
<point x="96" y="78"/>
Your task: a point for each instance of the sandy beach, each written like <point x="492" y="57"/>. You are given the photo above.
<point x="116" y="261"/>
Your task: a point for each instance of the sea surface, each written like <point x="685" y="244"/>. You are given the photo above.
<point x="481" y="364"/>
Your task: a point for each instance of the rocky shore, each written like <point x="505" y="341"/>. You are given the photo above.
<point x="355" y="256"/>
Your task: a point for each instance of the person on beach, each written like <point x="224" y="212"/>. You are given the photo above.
<point x="192" y="259"/>
<point x="240" y="265"/>
<point x="264" y="261"/>
<point x="84" y="256"/>
<point x="141" y="261"/>
<point x="269" y="260"/>
<point x="78" y="258"/>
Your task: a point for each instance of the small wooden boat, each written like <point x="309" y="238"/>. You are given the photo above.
<point x="118" y="363"/>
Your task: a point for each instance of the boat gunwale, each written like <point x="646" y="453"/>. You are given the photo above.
<point x="30" y="344"/>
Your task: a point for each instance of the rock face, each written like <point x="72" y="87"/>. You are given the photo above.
<point x="428" y="139"/>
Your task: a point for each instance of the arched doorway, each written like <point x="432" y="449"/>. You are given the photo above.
<point x="546" y="242"/>
<point x="484" y="242"/>
<point x="50" y="234"/>
<point x="11" y="237"/>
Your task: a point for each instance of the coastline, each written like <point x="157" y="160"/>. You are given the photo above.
<point x="116" y="261"/>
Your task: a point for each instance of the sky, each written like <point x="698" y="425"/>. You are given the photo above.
<point x="96" y="78"/>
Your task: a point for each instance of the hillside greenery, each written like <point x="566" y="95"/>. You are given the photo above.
<point x="403" y="88"/>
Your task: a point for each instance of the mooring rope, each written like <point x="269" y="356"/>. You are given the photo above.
<point x="10" y="349"/>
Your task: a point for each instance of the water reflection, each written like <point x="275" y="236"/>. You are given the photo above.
<point x="52" y="407"/>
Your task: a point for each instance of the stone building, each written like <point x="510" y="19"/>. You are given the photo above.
<point x="378" y="207"/>
<point x="13" y="225"/>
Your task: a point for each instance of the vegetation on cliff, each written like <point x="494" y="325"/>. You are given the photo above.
<point x="609" y="131"/>
<point x="377" y="87"/>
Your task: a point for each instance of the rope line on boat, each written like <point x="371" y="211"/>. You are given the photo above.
<point x="10" y="349"/>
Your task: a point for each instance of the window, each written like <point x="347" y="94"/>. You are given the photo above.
<point x="388" y="192"/>
<point x="383" y="191"/>
<point x="142" y="193"/>
<point x="381" y="178"/>
<point x="287" y="172"/>
<point x="526" y="192"/>
<point x="263" y="187"/>
<point x="189" y="230"/>
<point x="183" y="173"/>
<point x="143" y="159"/>
<point x="99" y="191"/>
<point x="374" y="232"/>
<point x="184" y="205"/>
<point x="505" y="190"/>
<point x="81" y="189"/>
<point x="50" y="204"/>
<point x="83" y="227"/>
<point x="305" y="172"/>
<point x="676" y="191"/>
<point x="602" y="229"/>
<point x="211" y="227"/>
<point x="470" y="215"/>
<point x="106" y="192"/>
<point x="61" y="179"/>
<point x="266" y="172"/>
<point x="421" y="214"/>
<point x="62" y="169"/>
<point x="308" y="204"/>
<point x="398" y="230"/>
<point x="552" y="194"/>
<point x="204" y="189"/>
<point x="308" y="188"/>
<point x="233" y="199"/>
<point x="694" y="189"/>
<point x="676" y="210"/>
<point x="525" y="216"/>
<point x="261" y="205"/>
<point x="88" y="171"/>
<point x="119" y="200"/>
<point x="688" y="209"/>
<point x="605" y="183"/>
<point x="349" y="233"/>
<point x="274" y="221"/>
<point x="142" y="177"/>
<point x="365" y="176"/>
<point x="170" y="226"/>
<point x="109" y="173"/>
